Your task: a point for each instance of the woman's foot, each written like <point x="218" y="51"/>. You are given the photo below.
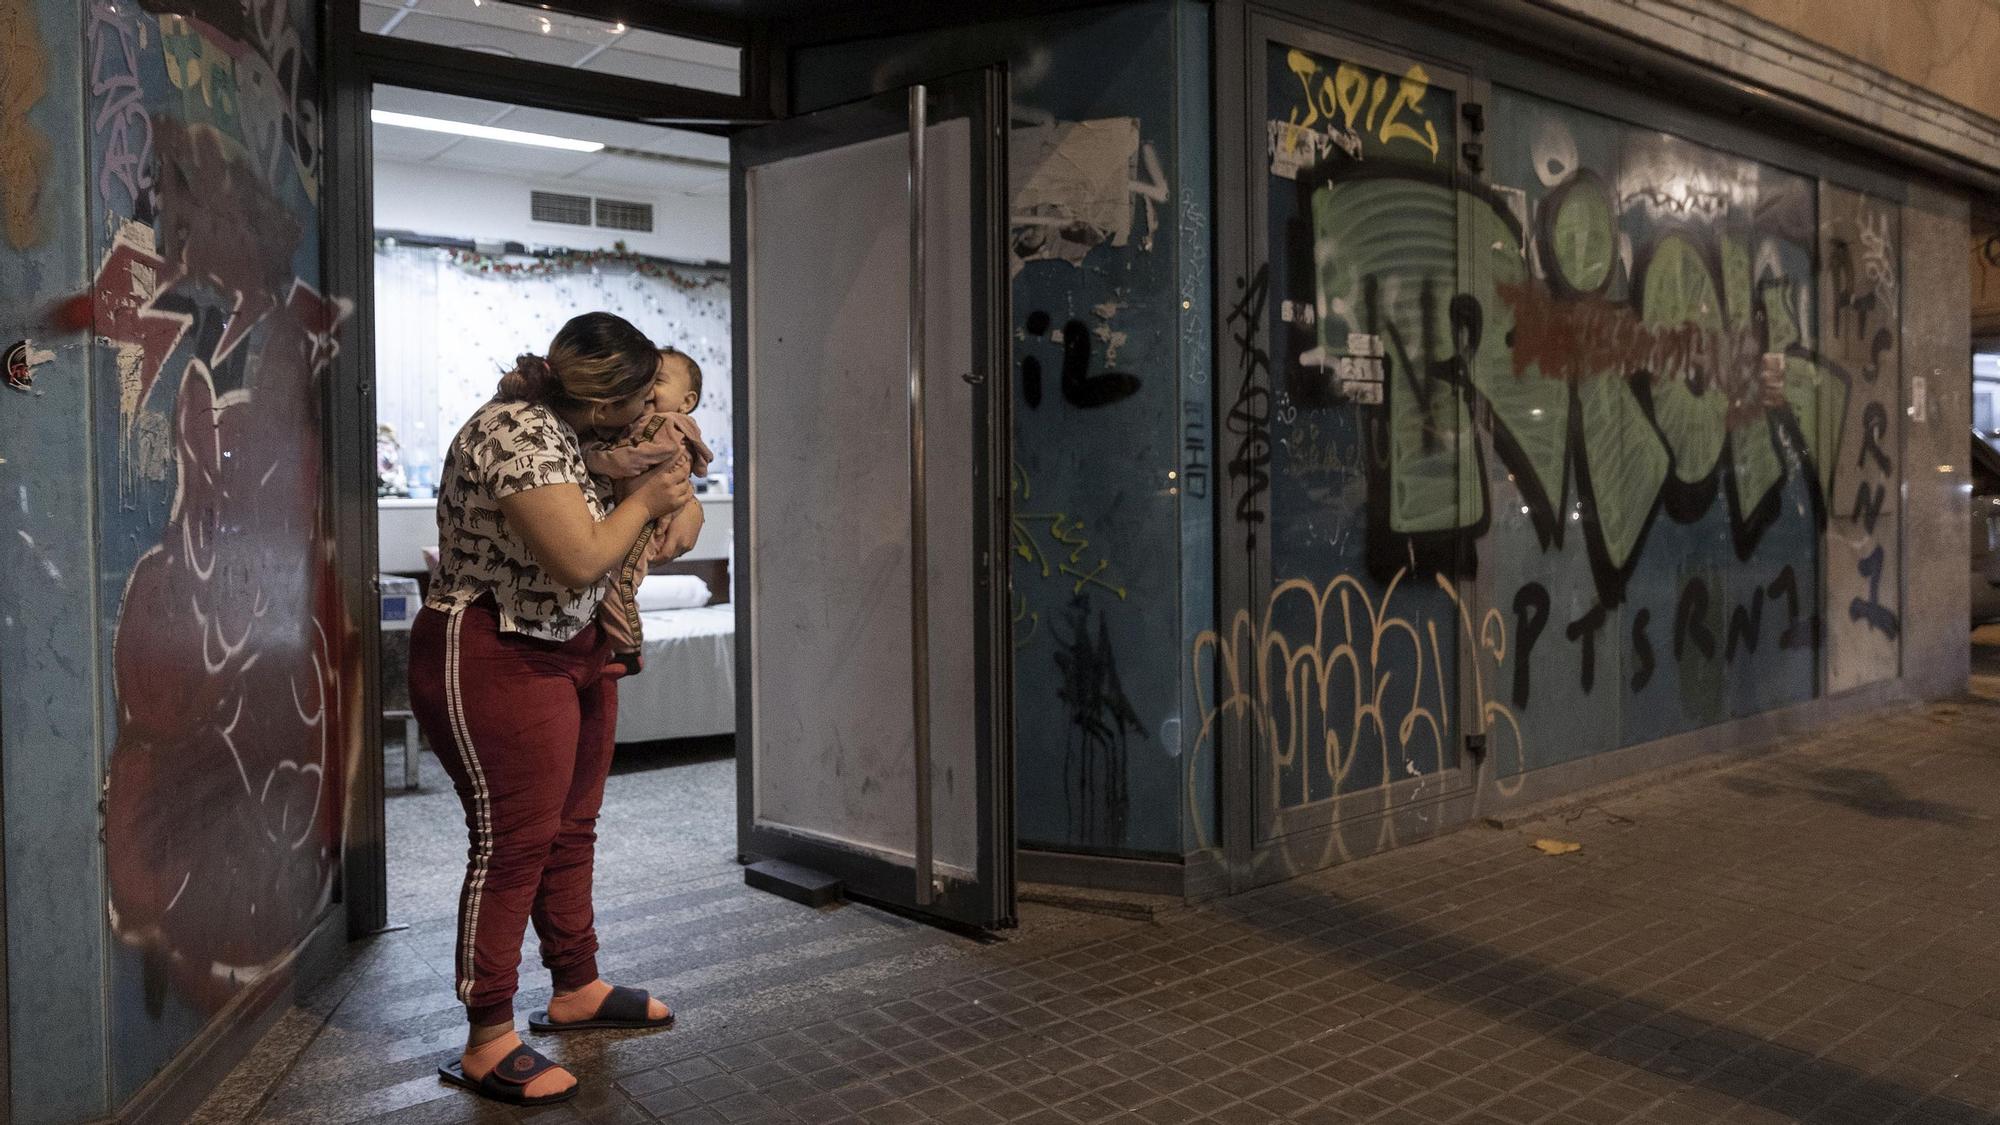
<point x="488" y="1047"/>
<point x="583" y="1003"/>
<point x="599" y="1005"/>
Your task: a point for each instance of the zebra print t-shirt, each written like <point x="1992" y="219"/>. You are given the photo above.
<point x="504" y="448"/>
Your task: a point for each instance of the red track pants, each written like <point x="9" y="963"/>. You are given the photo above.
<point x="525" y="729"/>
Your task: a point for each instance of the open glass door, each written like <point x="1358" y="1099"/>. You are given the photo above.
<point x="874" y="722"/>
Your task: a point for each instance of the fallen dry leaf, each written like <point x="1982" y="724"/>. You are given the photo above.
<point x="1557" y="847"/>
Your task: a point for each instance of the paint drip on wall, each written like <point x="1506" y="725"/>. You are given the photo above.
<point x="24" y="149"/>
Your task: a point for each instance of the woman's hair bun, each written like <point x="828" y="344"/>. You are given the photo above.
<point x="531" y="380"/>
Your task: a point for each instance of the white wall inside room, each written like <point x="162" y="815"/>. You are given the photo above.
<point x="493" y="206"/>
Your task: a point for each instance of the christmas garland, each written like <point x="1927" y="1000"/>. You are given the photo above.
<point x="545" y="263"/>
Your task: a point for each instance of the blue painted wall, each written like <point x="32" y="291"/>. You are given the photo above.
<point x="49" y="738"/>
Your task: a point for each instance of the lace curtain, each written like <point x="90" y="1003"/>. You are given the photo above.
<point x="444" y="331"/>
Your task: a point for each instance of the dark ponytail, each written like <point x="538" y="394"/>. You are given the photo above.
<point x="597" y="357"/>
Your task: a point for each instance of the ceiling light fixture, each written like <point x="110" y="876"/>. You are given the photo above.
<point x="482" y="132"/>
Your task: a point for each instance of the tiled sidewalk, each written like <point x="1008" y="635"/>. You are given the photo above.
<point x="1811" y="937"/>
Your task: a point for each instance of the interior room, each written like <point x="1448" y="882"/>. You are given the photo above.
<point x="494" y="224"/>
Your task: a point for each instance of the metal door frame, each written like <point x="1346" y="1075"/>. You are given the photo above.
<point x="352" y="62"/>
<point x="989" y="899"/>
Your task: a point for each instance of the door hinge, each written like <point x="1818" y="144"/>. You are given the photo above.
<point x="1475" y="745"/>
<point x="1475" y="116"/>
<point x="1475" y="156"/>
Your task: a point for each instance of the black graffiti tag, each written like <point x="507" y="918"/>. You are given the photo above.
<point x="1584" y="629"/>
<point x="1194" y="446"/>
<point x="1531" y="616"/>
<point x="1691" y="621"/>
<point x="1102" y="722"/>
<point x="1746" y="626"/>
<point x="1249" y="419"/>
<point x="1870" y="609"/>
<point x="1642" y="647"/>
<point x="1874" y="426"/>
<point x="1080" y="388"/>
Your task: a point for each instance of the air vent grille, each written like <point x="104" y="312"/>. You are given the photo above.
<point x="618" y="214"/>
<point x="555" y="207"/>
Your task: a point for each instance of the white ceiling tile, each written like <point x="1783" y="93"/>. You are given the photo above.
<point x="625" y="134"/>
<point x="410" y="145"/>
<point x="491" y="20"/>
<point x="677" y="72"/>
<point x="493" y="40"/>
<point x="449" y="107"/>
<point x="374" y="16"/>
<point x="717" y="55"/>
<point x="682" y="143"/>
<point x="520" y="159"/>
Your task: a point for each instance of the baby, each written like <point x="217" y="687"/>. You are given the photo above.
<point x="664" y="433"/>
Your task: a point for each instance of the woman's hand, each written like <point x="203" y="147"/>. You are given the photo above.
<point x="664" y="489"/>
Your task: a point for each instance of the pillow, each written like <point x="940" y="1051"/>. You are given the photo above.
<point x="672" y="591"/>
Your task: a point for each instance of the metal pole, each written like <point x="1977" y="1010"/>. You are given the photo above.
<point x="920" y="617"/>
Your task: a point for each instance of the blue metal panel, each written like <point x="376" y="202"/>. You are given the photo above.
<point x="48" y="661"/>
<point x="1198" y="484"/>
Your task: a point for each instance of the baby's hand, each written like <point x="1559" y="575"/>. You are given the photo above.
<point x="690" y="435"/>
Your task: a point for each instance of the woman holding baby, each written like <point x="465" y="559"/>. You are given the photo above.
<point x="508" y="672"/>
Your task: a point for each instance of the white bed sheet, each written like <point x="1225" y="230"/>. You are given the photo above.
<point x="688" y="687"/>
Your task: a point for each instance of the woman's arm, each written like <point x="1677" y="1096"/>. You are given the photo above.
<point x="577" y="550"/>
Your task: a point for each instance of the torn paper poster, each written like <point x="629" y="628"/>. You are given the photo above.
<point x="22" y="358"/>
<point x="1359" y="378"/>
<point x="1300" y="148"/>
<point x="1074" y="185"/>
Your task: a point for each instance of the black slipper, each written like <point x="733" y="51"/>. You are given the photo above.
<point x="623" y="1010"/>
<point x="508" y="1081"/>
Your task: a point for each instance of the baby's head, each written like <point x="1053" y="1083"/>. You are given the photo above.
<point x="676" y="383"/>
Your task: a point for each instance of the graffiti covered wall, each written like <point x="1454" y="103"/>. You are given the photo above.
<point x="227" y="692"/>
<point x="1591" y="445"/>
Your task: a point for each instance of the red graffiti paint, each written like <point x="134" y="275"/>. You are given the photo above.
<point x="222" y="817"/>
<point x="122" y="305"/>
<point x="1577" y="338"/>
<point x="221" y="226"/>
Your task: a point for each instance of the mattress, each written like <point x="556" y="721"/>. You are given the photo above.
<point x="688" y="686"/>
